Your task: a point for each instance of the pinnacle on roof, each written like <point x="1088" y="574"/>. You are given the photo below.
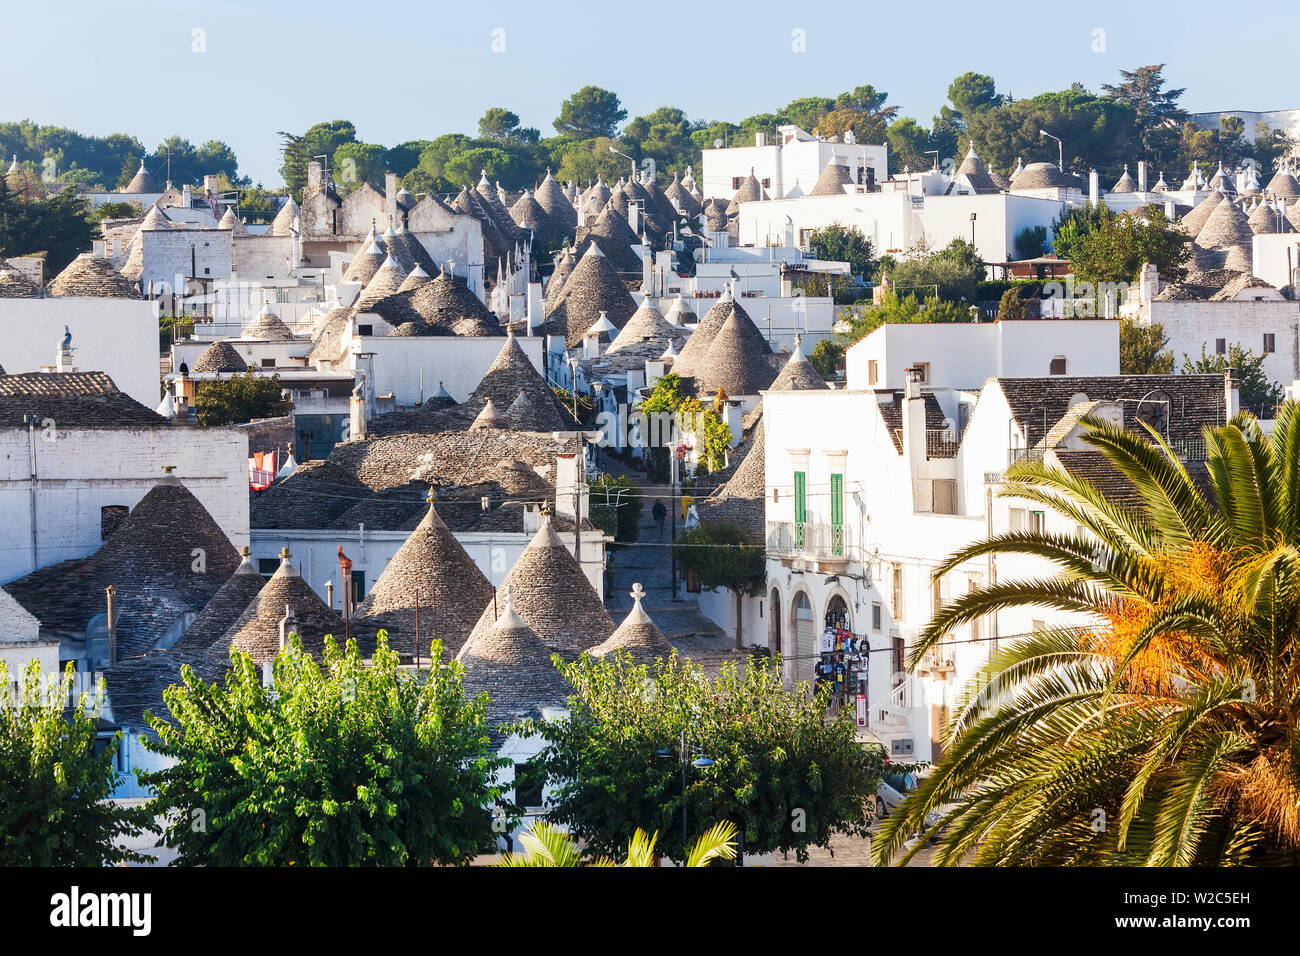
<point x="602" y="326"/>
<point x="679" y="313"/>
<point x="432" y="570"/>
<point x="374" y="237"/>
<point x="232" y="222"/>
<point x="1223" y="182"/>
<point x="637" y="635"/>
<point x="834" y="177"/>
<point x="552" y="594"/>
<point x="1161" y="185"/>
<point x="1193" y="180"/>
<point x="489" y="417"/>
<point x="976" y="175"/>
<point x="142" y="182"/>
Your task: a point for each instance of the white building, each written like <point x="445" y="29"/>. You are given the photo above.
<point x="791" y="165"/>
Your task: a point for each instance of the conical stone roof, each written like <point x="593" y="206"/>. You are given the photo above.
<point x="257" y="631"/>
<point x="679" y="194"/>
<point x="230" y="221"/>
<point x="489" y="417"/>
<point x="142" y="182"/>
<point x="563" y="267"/>
<point x="692" y="356"/>
<point x="14" y="285"/>
<point x="637" y="635"/>
<point x="416" y="278"/>
<point x="679" y="313"/>
<point x="432" y="567"/>
<point x="1125" y="184"/>
<point x="751" y="190"/>
<point x="734" y="363"/>
<point x="832" y="180"/>
<point x="89" y="276"/>
<point x="1265" y="220"/>
<point x="978" y="176"/>
<point x="1226" y="227"/>
<point x="282" y="224"/>
<point x="550" y="197"/>
<point x="615" y="238"/>
<point x="227" y="605"/>
<point x="220" y="357"/>
<point x="592" y="288"/>
<point x="267" y="326"/>
<point x="512" y="663"/>
<point x="385" y="282"/>
<point x="449" y="303"/>
<point x="798" y="374"/>
<point x="365" y="264"/>
<point x="647" y="325"/>
<point x="552" y="594"/>
<point x="511" y="373"/>
<point x="1284" y="185"/>
<point x="1195" y="220"/>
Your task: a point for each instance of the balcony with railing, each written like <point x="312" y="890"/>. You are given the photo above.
<point x="821" y="544"/>
<point x="939" y="442"/>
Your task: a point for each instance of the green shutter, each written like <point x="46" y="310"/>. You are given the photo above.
<point x="837" y="515"/>
<point x="800" y="497"/>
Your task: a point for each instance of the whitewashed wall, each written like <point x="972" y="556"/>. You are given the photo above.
<point x="458" y="362"/>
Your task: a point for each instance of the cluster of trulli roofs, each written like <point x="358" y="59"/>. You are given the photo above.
<point x="497" y="465"/>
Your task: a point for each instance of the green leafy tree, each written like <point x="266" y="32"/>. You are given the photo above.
<point x="60" y="227"/>
<point x="498" y="124"/>
<point x="892" y="308"/>
<point x="1031" y="242"/>
<point x="908" y="143"/>
<point x="840" y="243"/>
<point x="783" y="771"/>
<point x="1161" y="731"/>
<point x="1142" y="349"/>
<point x="664" y="136"/>
<point x="1012" y="306"/>
<point x="972" y="92"/>
<point x="1154" y="106"/>
<point x="339" y="763"/>
<point x="118" y="210"/>
<point x="357" y="163"/>
<point x="300" y="150"/>
<point x="953" y="272"/>
<point x="724" y="556"/>
<point x="1258" y="395"/>
<point x="1096" y="131"/>
<point x="244" y="397"/>
<point x="589" y="113"/>
<point x="54" y="784"/>
<point x="712" y="436"/>
<point x="1108" y="246"/>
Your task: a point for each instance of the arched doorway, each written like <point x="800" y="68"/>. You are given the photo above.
<point x="837" y="614"/>
<point x="805" y="638"/>
<point x="774" y="622"/>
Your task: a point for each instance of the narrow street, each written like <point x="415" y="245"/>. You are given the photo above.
<point x="649" y="561"/>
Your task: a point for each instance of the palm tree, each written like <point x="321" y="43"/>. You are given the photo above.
<point x="548" y="845"/>
<point x="1163" y="731"/>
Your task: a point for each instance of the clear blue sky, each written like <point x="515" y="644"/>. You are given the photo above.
<point x="405" y="70"/>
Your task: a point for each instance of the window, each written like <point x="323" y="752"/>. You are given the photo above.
<point x="800" y="505"/>
<point x="767" y="184"/>
<point x="736" y="181"/>
<point x="528" y="785"/>
<point x="1269" y="344"/>
<point x="872" y="372"/>
<point x="365" y="329"/>
<point x="110" y="516"/>
<point x="358" y="587"/>
<point x="1016" y="519"/>
<point x="805" y="236"/>
<point x="1220" y="346"/>
<point x="896" y="661"/>
<point x="922" y="370"/>
<point x="267" y="566"/>
<point x="875" y="615"/>
<point x="268" y="363"/>
<point x="936" y="596"/>
<point x="1058" y="366"/>
<point x="1037" y="519"/>
<point x="837" y="515"/>
<point x="944" y="496"/>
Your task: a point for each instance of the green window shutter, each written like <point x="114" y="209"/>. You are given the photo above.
<point x="800" y="496"/>
<point x="837" y="500"/>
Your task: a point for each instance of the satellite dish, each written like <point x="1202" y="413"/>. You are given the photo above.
<point x="717" y="144"/>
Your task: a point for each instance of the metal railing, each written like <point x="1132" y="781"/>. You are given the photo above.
<point x="1191" y="448"/>
<point x="807" y="539"/>
<point x="939" y="442"/>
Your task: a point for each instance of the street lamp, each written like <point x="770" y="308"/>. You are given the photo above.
<point x="972" y="231"/>
<point x="1060" y="150"/>
<point x="573" y="381"/>
<point x="627" y="157"/>
<point x="700" y="762"/>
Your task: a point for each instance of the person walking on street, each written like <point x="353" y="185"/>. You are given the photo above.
<point x="660" y="513"/>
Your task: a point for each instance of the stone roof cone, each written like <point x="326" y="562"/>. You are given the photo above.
<point x="512" y="663"/>
<point x="432" y="567"/>
<point x="636" y="635"/>
<point x="798" y="373"/>
<point x="366" y="263"/>
<point x="553" y="595"/>
<point x="690" y="360"/>
<point x="593" y="287"/>
<point x="512" y="373"/>
<point x="733" y="363"/>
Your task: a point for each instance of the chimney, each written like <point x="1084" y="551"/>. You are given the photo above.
<point x="286" y="627"/>
<point x="111" y="592"/>
<point x="914" y="428"/>
<point x="1231" y="394"/>
<point x="634" y="216"/>
<point x="390" y="198"/>
<point x="536" y="309"/>
<point x="357" y="413"/>
<point x="187" y="197"/>
<point x="760" y="139"/>
<point x="568" y="482"/>
<point x="314" y="177"/>
<point x="329" y="594"/>
<point x="1094" y="189"/>
<point x="210" y="184"/>
<point x="345" y="570"/>
<point x="1142" y="176"/>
